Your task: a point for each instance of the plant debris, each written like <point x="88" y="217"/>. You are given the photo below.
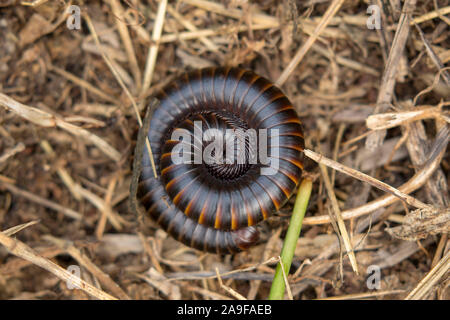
<point x="77" y="76"/>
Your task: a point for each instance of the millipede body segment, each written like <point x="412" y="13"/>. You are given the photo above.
<point x="214" y="205"/>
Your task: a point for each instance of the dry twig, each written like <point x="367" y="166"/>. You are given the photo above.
<point x="20" y="249"/>
<point x="386" y="91"/>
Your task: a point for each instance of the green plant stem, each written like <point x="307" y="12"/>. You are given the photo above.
<point x="290" y="242"/>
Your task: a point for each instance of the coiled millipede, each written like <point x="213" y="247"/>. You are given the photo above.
<point x="209" y="206"/>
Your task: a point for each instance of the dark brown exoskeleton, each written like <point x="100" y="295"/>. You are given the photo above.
<point x="215" y="206"/>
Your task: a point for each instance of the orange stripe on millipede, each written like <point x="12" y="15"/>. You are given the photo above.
<point x="286" y="192"/>
<point x="179" y="194"/>
<point x="202" y="217"/>
<point x="278" y="110"/>
<point x="287" y="174"/>
<point x="250" y="221"/>
<point x="295" y="162"/>
<point x="167" y="154"/>
<point x="298" y="163"/>
<point x="268" y="103"/>
<point x="294" y="147"/>
<point x="175" y="142"/>
<point x="263" y="211"/>
<point x="234" y="223"/>
<point x="194" y="198"/>
<point x="174" y="180"/>
<point x="295" y="134"/>
<point x="293" y="120"/>
<point x="217" y="223"/>
<point x="274" y="201"/>
<point x="165" y="170"/>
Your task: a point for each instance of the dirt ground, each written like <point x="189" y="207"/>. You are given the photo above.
<point x="371" y="89"/>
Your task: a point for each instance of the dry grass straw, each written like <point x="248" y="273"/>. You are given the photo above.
<point x="48" y="120"/>
<point x="159" y="282"/>
<point x="388" y="120"/>
<point x="365" y="295"/>
<point x="331" y="11"/>
<point x="363" y="177"/>
<point x="84" y="84"/>
<point x="232" y="292"/>
<point x="42" y="201"/>
<point x="431" y="15"/>
<point x="11" y="152"/>
<point x="336" y="215"/>
<point x="428" y="174"/>
<point x="386" y="91"/>
<point x="426" y="285"/>
<point x="62" y="172"/>
<point x="23" y="251"/>
<point x="153" y="52"/>
<point x="86" y="263"/>
<point x="191" y="27"/>
<point x="419" y="179"/>
<point x="126" y="39"/>
<point x="148" y="71"/>
<point x="213" y="275"/>
<point x="192" y="35"/>
<point x="257" y="18"/>
<point x="286" y="282"/>
<point x="34" y="3"/>
<point x="104" y="205"/>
